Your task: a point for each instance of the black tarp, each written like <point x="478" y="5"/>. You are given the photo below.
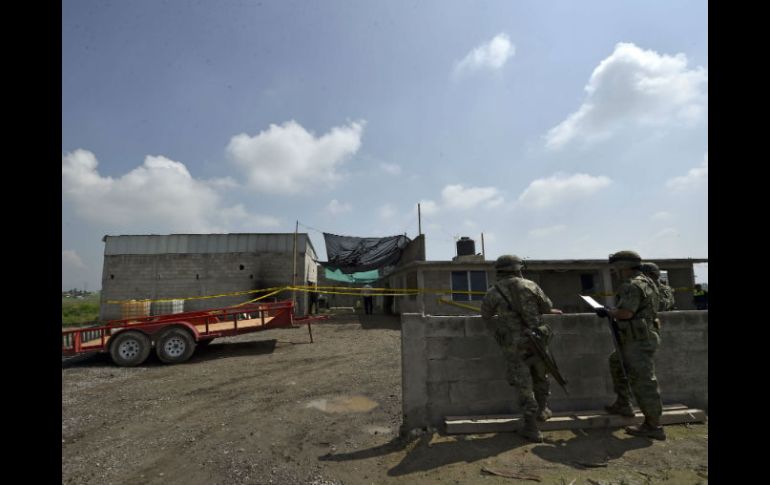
<point x="355" y="254"/>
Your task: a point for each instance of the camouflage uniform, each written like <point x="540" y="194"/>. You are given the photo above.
<point x="525" y="371"/>
<point x="639" y="339"/>
<point x="667" y="300"/>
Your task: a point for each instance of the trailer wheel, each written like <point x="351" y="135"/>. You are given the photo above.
<point x="129" y="349"/>
<point x="175" y="346"/>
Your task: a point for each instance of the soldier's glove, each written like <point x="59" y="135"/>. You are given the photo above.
<point x="602" y="312"/>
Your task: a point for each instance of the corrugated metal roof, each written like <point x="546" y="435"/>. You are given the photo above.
<point x="205" y="243"/>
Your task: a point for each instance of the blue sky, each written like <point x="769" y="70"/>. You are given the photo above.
<point x="558" y="129"/>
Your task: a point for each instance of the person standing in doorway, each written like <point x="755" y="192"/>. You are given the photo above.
<point x="700" y="298"/>
<point x="368" y="299"/>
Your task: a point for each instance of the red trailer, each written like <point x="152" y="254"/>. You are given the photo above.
<point x="175" y="336"/>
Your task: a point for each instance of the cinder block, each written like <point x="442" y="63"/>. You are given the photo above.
<point x="508" y="405"/>
<point x="477" y="326"/>
<point x="467" y="392"/>
<point x="478" y="369"/>
<point x="438" y="371"/>
<point x="437" y="347"/>
<point x="472" y="347"/>
<point x="566" y="344"/>
<point x="685" y="340"/>
<point x="412" y="326"/>
<point x="445" y="327"/>
<point x="438" y="392"/>
<point x="436" y="412"/>
<point x="473" y="370"/>
<point x="416" y="417"/>
<point x="597" y="402"/>
<point x="591" y="365"/>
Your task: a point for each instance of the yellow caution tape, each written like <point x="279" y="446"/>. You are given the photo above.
<point x="261" y="297"/>
<point x="345" y="290"/>
<point x="461" y="305"/>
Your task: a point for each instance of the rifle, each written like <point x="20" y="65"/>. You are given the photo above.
<point x="616" y="340"/>
<point x="539" y="348"/>
<point x="615" y="332"/>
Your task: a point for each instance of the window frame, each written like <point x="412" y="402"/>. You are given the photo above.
<point x="461" y="297"/>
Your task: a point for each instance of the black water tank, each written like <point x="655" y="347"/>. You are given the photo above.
<point x="466" y="246"/>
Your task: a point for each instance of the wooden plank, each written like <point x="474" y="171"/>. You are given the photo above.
<point x="666" y="407"/>
<point x="230" y="325"/>
<point x="460" y="425"/>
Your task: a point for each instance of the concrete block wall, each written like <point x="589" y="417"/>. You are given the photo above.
<point x="451" y="365"/>
<point x="155" y="276"/>
<point x="414" y="251"/>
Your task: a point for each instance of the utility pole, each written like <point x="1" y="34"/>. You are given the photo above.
<point x="419" y="220"/>
<point x="294" y="274"/>
<point x="483" y="254"/>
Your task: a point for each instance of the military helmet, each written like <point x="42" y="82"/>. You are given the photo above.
<point x="509" y="262"/>
<point x="651" y="269"/>
<point x="626" y="259"/>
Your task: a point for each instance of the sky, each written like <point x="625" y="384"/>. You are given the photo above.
<point x="558" y="130"/>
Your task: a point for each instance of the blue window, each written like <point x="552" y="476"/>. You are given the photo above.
<point x="469" y="281"/>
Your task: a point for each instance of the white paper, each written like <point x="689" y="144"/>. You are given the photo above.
<point x="594" y="304"/>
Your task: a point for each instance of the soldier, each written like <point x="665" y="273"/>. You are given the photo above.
<point x="700" y="298"/>
<point x="667" y="301"/>
<point x="518" y="303"/>
<point x="637" y="308"/>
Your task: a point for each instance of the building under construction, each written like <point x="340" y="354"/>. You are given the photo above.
<point x="189" y="266"/>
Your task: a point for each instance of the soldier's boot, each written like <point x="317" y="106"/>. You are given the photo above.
<point x="530" y="431"/>
<point x="620" y="407"/>
<point x="650" y="428"/>
<point x="544" y="413"/>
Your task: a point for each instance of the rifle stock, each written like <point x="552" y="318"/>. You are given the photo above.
<point x="538" y="346"/>
<point x="616" y="340"/>
<point x="549" y="361"/>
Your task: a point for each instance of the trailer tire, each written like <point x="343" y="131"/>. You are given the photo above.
<point x="129" y="349"/>
<point x="175" y="346"/>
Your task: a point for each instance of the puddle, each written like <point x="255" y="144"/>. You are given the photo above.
<point x="343" y="404"/>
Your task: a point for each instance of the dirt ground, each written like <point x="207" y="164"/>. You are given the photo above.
<point x="272" y="408"/>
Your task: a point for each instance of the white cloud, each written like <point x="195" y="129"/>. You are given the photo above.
<point x="428" y="207"/>
<point x="491" y="55"/>
<point x="160" y="193"/>
<point x="547" y="231"/>
<point x="387" y="211"/>
<point x="223" y="183"/>
<point x="635" y="87"/>
<point x="661" y="216"/>
<point x="458" y="197"/>
<point x="666" y="243"/>
<point x="668" y="232"/>
<point x="71" y="259"/>
<point x="561" y="188"/>
<point x="391" y="168"/>
<point x="289" y="159"/>
<point x="336" y="207"/>
<point x="695" y="178"/>
<point x="238" y="218"/>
